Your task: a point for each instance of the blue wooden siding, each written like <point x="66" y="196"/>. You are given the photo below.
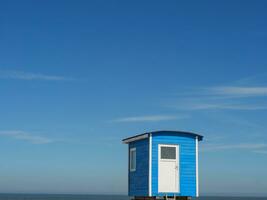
<point x="138" y="179"/>
<point x="187" y="162"/>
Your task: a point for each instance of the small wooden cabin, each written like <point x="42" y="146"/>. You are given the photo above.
<point x="163" y="164"/>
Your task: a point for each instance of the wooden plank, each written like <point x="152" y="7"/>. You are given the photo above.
<point x="144" y="198"/>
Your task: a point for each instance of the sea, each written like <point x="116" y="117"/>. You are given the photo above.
<point x="101" y="197"/>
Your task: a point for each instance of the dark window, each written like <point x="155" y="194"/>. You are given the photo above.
<point x="168" y="152"/>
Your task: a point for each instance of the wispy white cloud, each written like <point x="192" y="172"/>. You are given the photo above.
<point x="193" y="105"/>
<point x="222" y="98"/>
<point x="241" y="146"/>
<point x="233" y="91"/>
<point x="261" y="151"/>
<point x="151" y="118"/>
<point x="21" y="75"/>
<point x="25" y="136"/>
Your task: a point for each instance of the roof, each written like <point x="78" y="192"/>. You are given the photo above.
<point x="145" y="135"/>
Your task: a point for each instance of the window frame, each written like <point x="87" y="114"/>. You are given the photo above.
<point x="132" y="168"/>
<point x="169" y="145"/>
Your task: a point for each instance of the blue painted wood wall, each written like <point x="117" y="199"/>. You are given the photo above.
<point x="138" y="180"/>
<point x="187" y="162"/>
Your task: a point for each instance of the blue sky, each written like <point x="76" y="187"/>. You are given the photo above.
<point x="78" y="76"/>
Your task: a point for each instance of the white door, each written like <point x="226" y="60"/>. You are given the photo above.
<point x="168" y="174"/>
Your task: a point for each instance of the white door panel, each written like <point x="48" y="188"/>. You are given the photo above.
<point x="168" y="168"/>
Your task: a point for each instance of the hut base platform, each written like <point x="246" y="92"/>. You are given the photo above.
<point x="163" y="198"/>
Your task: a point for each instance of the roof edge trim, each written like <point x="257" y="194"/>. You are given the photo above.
<point x="146" y="135"/>
<point x="135" y="138"/>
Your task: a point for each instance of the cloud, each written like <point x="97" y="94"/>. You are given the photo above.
<point x="25" y="136"/>
<point x="151" y="118"/>
<point x="217" y="105"/>
<point x="233" y="91"/>
<point x="222" y="98"/>
<point x="21" y="75"/>
<point x="261" y="151"/>
<point x="241" y="146"/>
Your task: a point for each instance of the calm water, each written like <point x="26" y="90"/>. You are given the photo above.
<point x="100" y="197"/>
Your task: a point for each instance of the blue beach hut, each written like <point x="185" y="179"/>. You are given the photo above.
<point x="163" y="164"/>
